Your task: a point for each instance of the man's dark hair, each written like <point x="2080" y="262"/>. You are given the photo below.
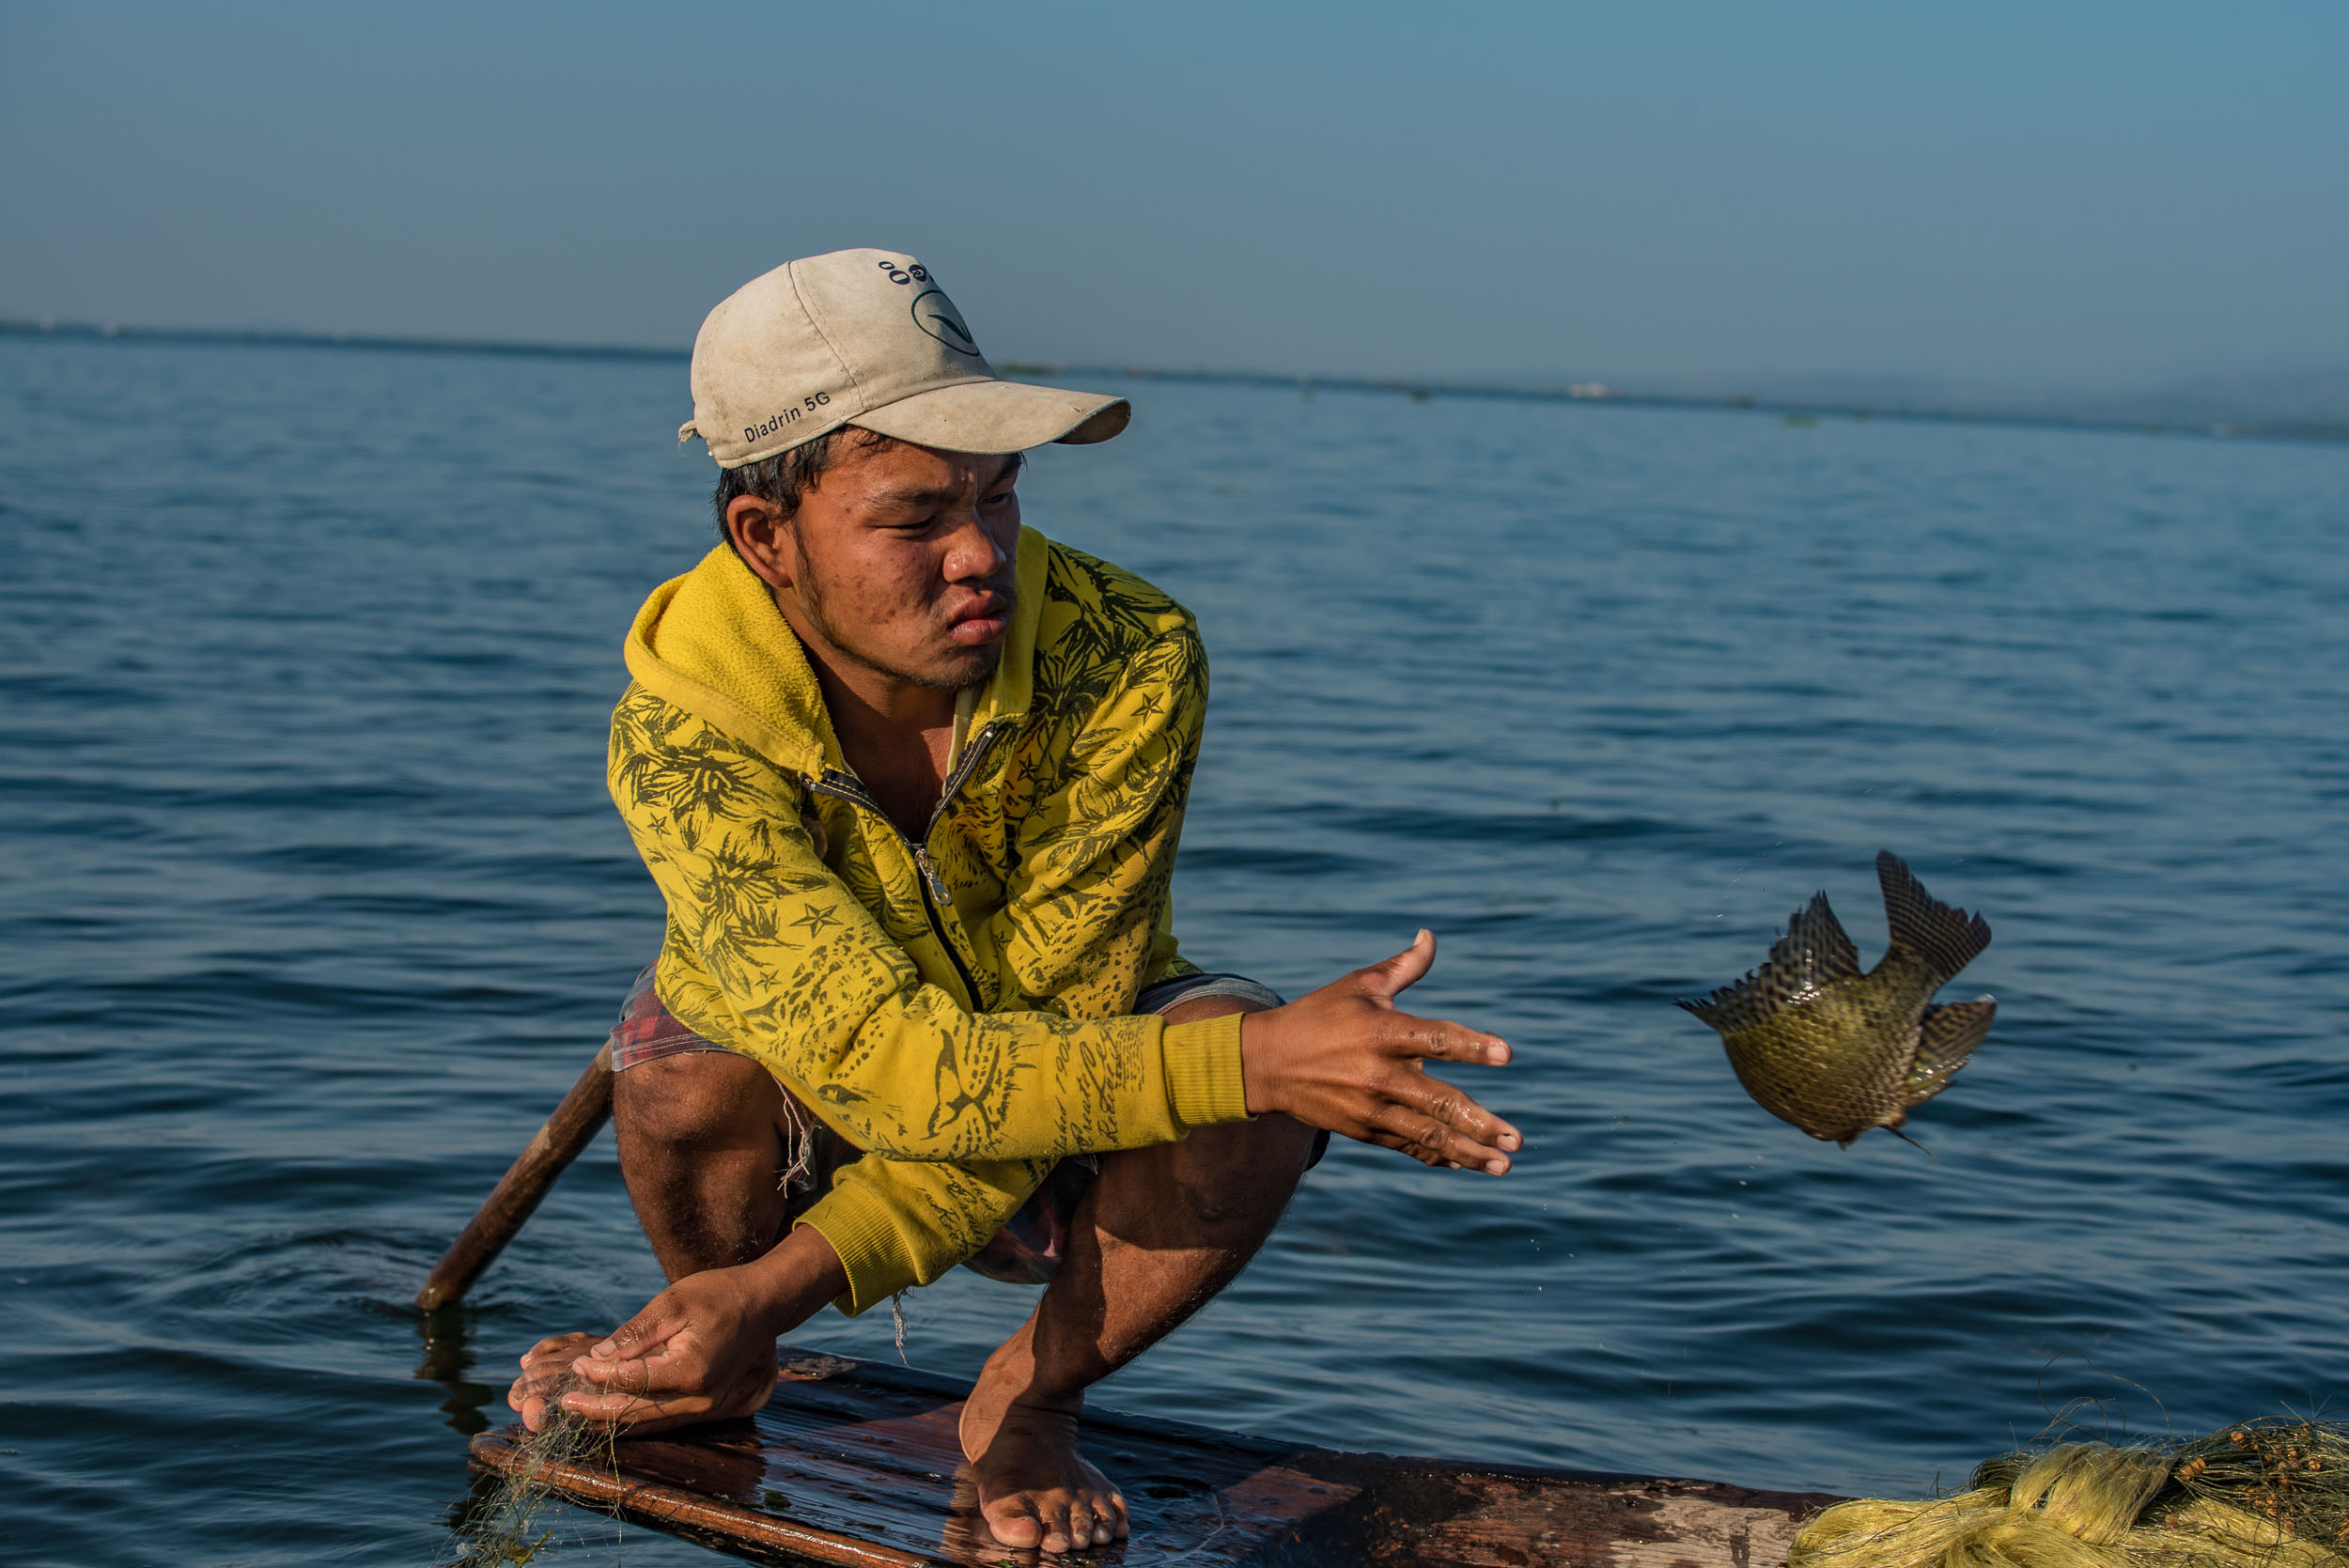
<point x="783" y="480"/>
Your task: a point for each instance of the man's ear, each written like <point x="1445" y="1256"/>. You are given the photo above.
<point x="762" y="537"/>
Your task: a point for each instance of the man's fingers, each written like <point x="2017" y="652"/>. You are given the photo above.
<point x="1441" y="1040"/>
<point x="1431" y="1142"/>
<point x="640" y="1336"/>
<point x="1440" y="1102"/>
<point x="641" y="1413"/>
<point x="558" y="1346"/>
<point x="637" y="1417"/>
<point x="1405" y="1145"/>
<point x="534" y="1392"/>
<point x="1384" y="981"/>
<point x="542" y="1379"/>
<point x="608" y="1406"/>
<point x="639" y="1375"/>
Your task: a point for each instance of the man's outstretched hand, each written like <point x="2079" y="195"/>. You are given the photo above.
<point x="703" y="1350"/>
<point x="1344" y="1059"/>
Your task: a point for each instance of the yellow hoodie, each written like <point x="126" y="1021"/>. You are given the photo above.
<point x="956" y="1006"/>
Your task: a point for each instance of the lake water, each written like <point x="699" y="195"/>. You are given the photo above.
<point x="313" y="904"/>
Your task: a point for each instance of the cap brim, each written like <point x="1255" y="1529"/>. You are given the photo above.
<point x="998" y="416"/>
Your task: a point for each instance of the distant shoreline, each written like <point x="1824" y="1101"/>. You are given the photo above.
<point x="271" y="338"/>
<point x="1797" y="411"/>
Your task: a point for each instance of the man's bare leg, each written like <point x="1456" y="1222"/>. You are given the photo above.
<point x="702" y="1139"/>
<point x="702" y="1149"/>
<point x="1157" y="1235"/>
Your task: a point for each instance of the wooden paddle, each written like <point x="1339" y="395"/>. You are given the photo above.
<point x="571" y="1128"/>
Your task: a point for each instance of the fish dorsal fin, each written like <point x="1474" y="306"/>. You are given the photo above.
<point x="1947" y="938"/>
<point x="1946" y="1036"/>
<point x="1814" y="950"/>
<point x="1816" y="942"/>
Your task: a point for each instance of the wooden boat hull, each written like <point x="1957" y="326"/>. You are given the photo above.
<point x="856" y="1463"/>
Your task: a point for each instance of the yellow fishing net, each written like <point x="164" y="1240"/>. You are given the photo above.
<point x="2269" y="1494"/>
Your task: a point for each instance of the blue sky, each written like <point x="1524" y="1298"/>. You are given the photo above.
<point x="2050" y="192"/>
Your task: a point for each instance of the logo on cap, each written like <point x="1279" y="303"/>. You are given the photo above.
<point x="936" y="315"/>
<point x="933" y="312"/>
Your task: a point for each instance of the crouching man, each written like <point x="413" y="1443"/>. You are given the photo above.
<point x="910" y="778"/>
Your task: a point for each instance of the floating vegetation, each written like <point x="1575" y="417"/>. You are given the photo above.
<point x="2264" y="1494"/>
<point x="503" y="1526"/>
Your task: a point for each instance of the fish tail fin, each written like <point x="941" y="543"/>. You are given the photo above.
<point x="1947" y="938"/>
<point x="1945" y="1038"/>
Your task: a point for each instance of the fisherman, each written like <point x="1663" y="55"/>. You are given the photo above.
<point x="910" y="777"/>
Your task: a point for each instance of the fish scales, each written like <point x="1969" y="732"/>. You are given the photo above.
<point x="1835" y="1051"/>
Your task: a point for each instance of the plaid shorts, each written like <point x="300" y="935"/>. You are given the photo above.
<point x="1029" y="1248"/>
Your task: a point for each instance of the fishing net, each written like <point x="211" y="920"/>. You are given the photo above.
<point x="2266" y="1494"/>
<point x="503" y="1526"/>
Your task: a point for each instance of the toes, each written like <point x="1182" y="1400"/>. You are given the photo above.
<point x="1090" y="1520"/>
<point x="1013" y="1522"/>
<point x="1059" y="1536"/>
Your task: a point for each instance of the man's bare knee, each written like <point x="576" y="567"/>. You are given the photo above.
<point x="1241" y="1172"/>
<point x="698" y="1099"/>
<point x="1235" y="1171"/>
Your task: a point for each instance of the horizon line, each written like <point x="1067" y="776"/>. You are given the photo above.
<point x="1419" y="389"/>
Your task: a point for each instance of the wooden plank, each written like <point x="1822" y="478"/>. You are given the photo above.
<point x="856" y="1463"/>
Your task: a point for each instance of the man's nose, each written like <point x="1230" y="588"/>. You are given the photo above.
<point x="971" y="550"/>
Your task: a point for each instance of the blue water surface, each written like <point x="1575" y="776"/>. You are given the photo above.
<point x="311" y="903"/>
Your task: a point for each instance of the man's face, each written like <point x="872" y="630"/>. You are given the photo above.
<point x="902" y="561"/>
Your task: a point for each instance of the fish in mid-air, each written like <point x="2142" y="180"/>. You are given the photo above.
<point x="1835" y="1051"/>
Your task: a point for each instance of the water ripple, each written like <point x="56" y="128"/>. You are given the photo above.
<point x="317" y="904"/>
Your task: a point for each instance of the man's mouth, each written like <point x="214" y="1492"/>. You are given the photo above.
<point x="982" y="621"/>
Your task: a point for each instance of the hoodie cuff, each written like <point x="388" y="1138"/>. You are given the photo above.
<point x="1203" y="1081"/>
<point x="872" y="1254"/>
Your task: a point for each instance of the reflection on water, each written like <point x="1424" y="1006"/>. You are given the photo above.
<point x="315" y="906"/>
<point x="448" y="1360"/>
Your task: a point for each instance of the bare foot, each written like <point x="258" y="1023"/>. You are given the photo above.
<point x="1035" y="1488"/>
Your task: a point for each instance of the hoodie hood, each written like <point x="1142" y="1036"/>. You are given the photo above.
<point x="713" y="643"/>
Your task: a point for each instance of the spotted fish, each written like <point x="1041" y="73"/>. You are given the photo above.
<point x="1836" y="1051"/>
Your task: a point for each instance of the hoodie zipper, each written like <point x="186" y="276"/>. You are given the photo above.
<point x="936" y="894"/>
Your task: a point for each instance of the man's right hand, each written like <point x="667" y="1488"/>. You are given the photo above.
<point x="702" y="1350"/>
<point x="1343" y="1058"/>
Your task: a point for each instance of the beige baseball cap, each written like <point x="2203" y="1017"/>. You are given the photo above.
<point x="866" y="338"/>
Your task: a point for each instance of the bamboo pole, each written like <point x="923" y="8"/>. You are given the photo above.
<point x="571" y="1128"/>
